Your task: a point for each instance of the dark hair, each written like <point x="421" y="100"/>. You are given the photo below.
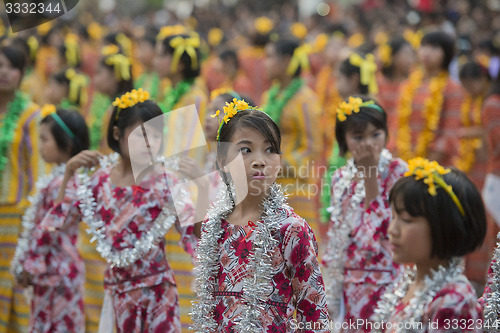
<point x="286" y="47"/>
<point x="15" y="56"/>
<point x="349" y="70"/>
<point x="187" y="72"/>
<point x="61" y="78"/>
<point x="357" y="122"/>
<point x="473" y="70"/>
<point x="150" y="36"/>
<point x="142" y="112"/>
<point x="253" y="119"/>
<point x="452" y="234"/>
<point x="445" y="42"/>
<point x="123" y="85"/>
<point x="76" y="123"/>
<point x="396" y="45"/>
<point x="230" y="55"/>
<point x="228" y="97"/>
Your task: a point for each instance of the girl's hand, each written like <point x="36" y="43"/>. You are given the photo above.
<point x="190" y="168"/>
<point x="367" y="155"/>
<point x="24" y="279"/>
<point x="86" y="158"/>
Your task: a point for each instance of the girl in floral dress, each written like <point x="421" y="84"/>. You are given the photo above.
<point x="129" y="218"/>
<point x="358" y="258"/>
<point x="46" y="254"/>
<point x="257" y="262"/>
<point x="438" y="217"/>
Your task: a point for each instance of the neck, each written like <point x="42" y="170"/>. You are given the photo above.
<point x="284" y="81"/>
<point x="249" y="209"/>
<point x="124" y="167"/>
<point x="424" y="269"/>
<point x="431" y="72"/>
<point x="5" y="98"/>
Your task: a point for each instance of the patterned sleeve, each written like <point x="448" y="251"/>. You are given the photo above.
<point x="487" y="287"/>
<point x="491" y="121"/>
<point x="455" y="305"/>
<point x="46" y="236"/>
<point x="307" y="282"/>
<point x="379" y="206"/>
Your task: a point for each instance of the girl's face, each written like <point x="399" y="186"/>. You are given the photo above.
<point x="475" y="86"/>
<point x="404" y="59"/>
<point x="10" y="77"/>
<point x="48" y="148"/>
<point x="275" y="64"/>
<point x="431" y="56"/>
<point x="56" y="92"/>
<point x="162" y="61"/>
<point x="133" y="143"/>
<point x="105" y="81"/>
<point x="371" y="136"/>
<point x="262" y="163"/>
<point x="347" y="86"/>
<point x="410" y="238"/>
<point x="146" y="53"/>
<point x="212" y="124"/>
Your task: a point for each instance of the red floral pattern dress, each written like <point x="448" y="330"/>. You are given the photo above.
<point x="297" y="281"/>
<point x="454" y="309"/>
<point x="369" y="268"/>
<point x="144" y="293"/>
<point x="57" y="269"/>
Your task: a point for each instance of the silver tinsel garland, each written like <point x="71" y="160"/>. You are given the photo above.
<point x="257" y="285"/>
<point x="492" y="298"/>
<point x="338" y="234"/>
<point x="96" y="227"/>
<point x="414" y="311"/>
<point x="28" y="220"/>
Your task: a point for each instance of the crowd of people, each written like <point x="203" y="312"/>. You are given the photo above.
<point x="353" y="153"/>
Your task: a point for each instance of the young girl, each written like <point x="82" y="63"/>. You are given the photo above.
<point x="46" y="255"/>
<point x="438" y="217"/>
<point x="257" y="261"/>
<point x="358" y="258"/>
<point x="129" y="220"/>
<point x="68" y="88"/>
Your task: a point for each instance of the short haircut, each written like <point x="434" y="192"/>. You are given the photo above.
<point x="141" y="112"/>
<point x="445" y="42"/>
<point x="473" y="70"/>
<point x="76" y="123"/>
<point x="452" y="234"/>
<point x="357" y="122"/>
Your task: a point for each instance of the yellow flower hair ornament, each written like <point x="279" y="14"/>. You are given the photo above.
<point x="432" y="175"/>
<point x="385" y="54"/>
<point x="215" y="36"/>
<point x="72" y="49"/>
<point x="229" y="111"/>
<point x="300" y="58"/>
<point x="171" y="30"/>
<point x="110" y="50"/>
<point x="125" y="43"/>
<point x="77" y="84"/>
<point x="367" y="69"/>
<point x="353" y="105"/>
<point x="184" y="44"/>
<point x="50" y="110"/>
<point x="130" y="99"/>
<point x="34" y="45"/>
<point x="121" y="65"/>
<point x="263" y="25"/>
<point x="299" y="30"/>
<point x="414" y="38"/>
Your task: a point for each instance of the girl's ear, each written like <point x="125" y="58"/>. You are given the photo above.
<point x="116" y="133"/>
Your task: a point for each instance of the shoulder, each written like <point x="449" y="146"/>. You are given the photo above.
<point x="456" y="299"/>
<point x="293" y="225"/>
<point x="398" y="167"/>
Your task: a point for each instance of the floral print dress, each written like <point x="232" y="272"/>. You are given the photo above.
<point x="143" y="294"/>
<point x="297" y="281"/>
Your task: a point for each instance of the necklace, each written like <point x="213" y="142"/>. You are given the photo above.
<point x="175" y="94"/>
<point x="147" y="241"/>
<point x="14" y="110"/>
<point x="492" y="296"/>
<point x="28" y="221"/>
<point x="257" y="284"/>
<point x="468" y="146"/>
<point x="431" y="113"/>
<point x="275" y="103"/>
<point x="343" y="221"/>
<point x="414" y="312"/>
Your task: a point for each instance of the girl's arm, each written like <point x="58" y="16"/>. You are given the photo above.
<point x="307" y="282"/>
<point x="87" y="158"/>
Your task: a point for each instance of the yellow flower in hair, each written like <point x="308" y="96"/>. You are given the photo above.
<point x="381" y="38"/>
<point x="229" y="111"/>
<point x="367" y="69"/>
<point x="72" y="49"/>
<point x="47" y="110"/>
<point x="110" y="50"/>
<point x="95" y="31"/>
<point x="121" y="65"/>
<point x="385" y="54"/>
<point x="356" y="40"/>
<point x="300" y="58"/>
<point x="352" y="105"/>
<point x="320" y="43"/>
<point x="299" y="30"/>
<point x="131" y="98"/>
<point x="171" y="30"/>
<point x="263" y="25"/>
<point x="44" y="29"/>
<point x="414" y="38"/>
<point x="215" y="36"/>
<point x="182" y="44"/>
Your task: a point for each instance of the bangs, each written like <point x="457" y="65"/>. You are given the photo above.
<point x="409" y="195"/>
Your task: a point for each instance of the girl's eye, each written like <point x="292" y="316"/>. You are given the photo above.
<point x="358" y="137"/>
<point x="245" y="150"/>
<point x="270" y="150"/>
